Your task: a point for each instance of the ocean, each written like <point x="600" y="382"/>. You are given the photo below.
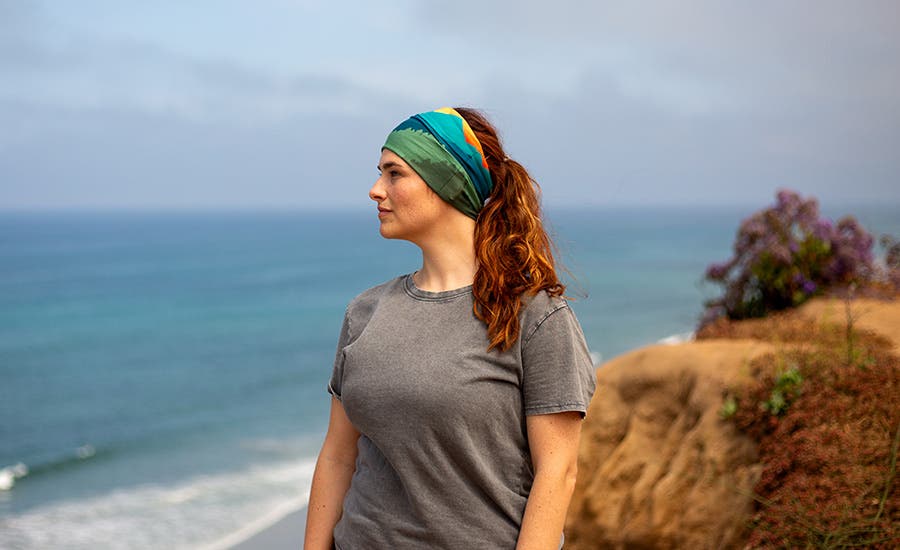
<point x="163" y="374"/>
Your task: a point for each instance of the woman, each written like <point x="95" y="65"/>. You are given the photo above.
<point x="458" y="391"/>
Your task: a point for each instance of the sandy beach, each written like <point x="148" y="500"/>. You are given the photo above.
<point x="285" y="534"/>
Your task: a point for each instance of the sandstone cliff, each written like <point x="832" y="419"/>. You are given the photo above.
<point x="658" y="467"/>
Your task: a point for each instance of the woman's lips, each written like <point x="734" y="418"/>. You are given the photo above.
<point x="382" y="212"/>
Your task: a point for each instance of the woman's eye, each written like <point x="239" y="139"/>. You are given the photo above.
<point x="395" y="173"/>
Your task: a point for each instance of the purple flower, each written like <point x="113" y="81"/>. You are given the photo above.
<point x="787" y="200"/>
<point x="777" y="249"/>
<point x="780" y="253"/>
<point x="753" y="227"/>
<point x="823" y="230"/>
<point x="718" y="271"/>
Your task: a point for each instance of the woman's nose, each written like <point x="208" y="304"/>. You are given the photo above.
<point x="376" y="193"/>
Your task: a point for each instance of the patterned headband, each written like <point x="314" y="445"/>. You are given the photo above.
<point x="442" y="148"/>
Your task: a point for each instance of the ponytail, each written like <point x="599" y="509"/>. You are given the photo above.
<point x="512" y="248"/>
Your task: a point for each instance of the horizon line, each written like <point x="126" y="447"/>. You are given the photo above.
<point x="272" y="208"/>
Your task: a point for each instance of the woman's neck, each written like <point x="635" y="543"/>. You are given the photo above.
<point x="448" y="262"/>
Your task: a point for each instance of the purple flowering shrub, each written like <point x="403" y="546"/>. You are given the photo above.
<point x="891" y="260"/>
<point x="785" y="254"/>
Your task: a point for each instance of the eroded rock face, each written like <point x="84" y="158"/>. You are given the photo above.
<point x="657" y="466"/>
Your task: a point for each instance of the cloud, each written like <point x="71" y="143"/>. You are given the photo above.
<point x="97" y="121"/>
<point x="694" y="102"/>
<point x="148" y="79"/>
<point x="658" y="102"/>
<point x="126" y="158"/>
<point x="749" y="56"/>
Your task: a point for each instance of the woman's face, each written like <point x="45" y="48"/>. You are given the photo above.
<point x="407" y="208"/>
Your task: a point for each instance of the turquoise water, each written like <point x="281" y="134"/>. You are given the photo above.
<point x="163" y="373"/>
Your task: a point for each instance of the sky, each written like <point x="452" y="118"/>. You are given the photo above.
<point x="286" y="103"/>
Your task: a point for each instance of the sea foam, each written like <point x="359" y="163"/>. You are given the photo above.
<point x="10" y="474"/>
<point x="679" y="338"/>
<point x="208" y="511"/>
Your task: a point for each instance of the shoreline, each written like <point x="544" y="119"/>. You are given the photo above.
<point x="284" y="533"/>
<point x="280" y="529"/>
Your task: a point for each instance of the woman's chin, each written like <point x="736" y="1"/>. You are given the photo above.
<point x="386" y="232"/>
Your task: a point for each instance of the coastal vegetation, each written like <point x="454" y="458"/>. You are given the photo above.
<point x="824" y="406"/>
<point x="825" y="411"/>
<point x="778" y="426"/>
<point x="788" y="253"/>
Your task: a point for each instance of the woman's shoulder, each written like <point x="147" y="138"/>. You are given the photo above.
<point x="542" y="302"/>
<point x="361" y="308"/>
<point x="368" y="299"/>
<point x="537" y="308"/>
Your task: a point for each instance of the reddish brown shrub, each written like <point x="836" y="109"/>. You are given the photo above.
<point x="830" y="457"/>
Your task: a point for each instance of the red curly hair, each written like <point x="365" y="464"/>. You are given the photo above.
<point x="513" y="251"/>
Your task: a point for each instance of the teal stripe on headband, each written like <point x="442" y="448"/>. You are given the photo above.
<point x="443" y="150"/>
<point x="455" y="134"/>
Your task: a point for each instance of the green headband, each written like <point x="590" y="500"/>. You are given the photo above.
<point x="442" y="148"/>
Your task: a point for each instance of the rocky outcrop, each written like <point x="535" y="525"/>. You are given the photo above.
<point x="658" y="467"/>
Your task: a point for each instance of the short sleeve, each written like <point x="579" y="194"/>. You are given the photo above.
<point x="558" y="373"/>
<point x="337" y="372"/>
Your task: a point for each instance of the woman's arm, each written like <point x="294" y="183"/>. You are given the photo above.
<point x="331" y="479"/>
<point x="553" y="439"/>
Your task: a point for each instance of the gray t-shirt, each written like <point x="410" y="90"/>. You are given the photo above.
<point x="443" y="457"/>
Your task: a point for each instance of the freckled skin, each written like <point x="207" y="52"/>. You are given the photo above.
<point x="415" y="210"/>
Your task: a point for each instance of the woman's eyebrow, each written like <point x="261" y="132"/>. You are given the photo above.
<point x="386" y="165"/>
